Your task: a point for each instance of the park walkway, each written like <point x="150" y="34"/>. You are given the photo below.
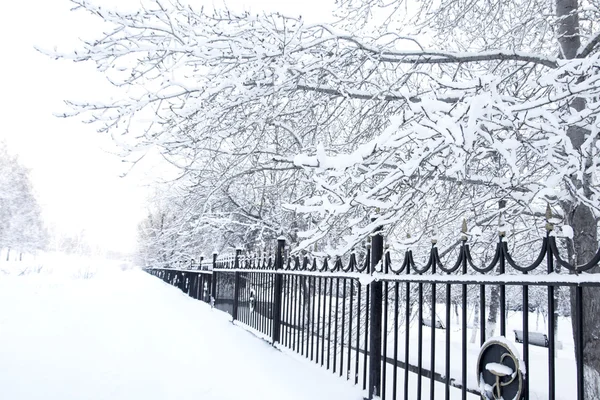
<point x="107" y="333"/>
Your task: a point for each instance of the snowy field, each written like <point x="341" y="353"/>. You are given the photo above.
<point x="84" y="329"/>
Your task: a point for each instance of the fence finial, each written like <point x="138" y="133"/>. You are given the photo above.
<point x="549" y="226"/>
<point x="501" y="230"/>
<point x="464" y="230"/>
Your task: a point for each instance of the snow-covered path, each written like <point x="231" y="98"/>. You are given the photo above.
<point x="127" y="335"/>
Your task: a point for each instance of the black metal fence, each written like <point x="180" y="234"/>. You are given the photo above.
<point x="409" y="331"/>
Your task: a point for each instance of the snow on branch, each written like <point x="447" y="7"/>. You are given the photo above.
<point x="275" y="122"/>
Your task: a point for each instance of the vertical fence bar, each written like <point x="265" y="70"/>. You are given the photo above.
<point x="213" y="289"/>
<point x="278" y="289"/>
<point x="526" y="335"/>
<point x="323" y="321"/>
<point x="297" y="314"/>
<point x="448" y="329"/>
<point x="319" y="322"/>
<point x="464" y="326"/>
<point x="375" y="317"/>
<point x="579" y="340"/>
<point x="420" y="340"/>
<point x="551" y="329"/>
<point x="262" y="303"/>
<point x="482" y="315"/>
<point x="271" y="300"/>
<point x="396" y="311"/>
<point x="304" y="305"/>
<point x="343" y="328"/>
<point x="330" y="304"/>
<point x="351" y="308"/>
<point x="236" y="284"/>
<point x="313" y="301"/>
<point x="287" y="307"/>
<point x="335" y="332"/>
<point x="501" y="271"/>
<point x="407" y="335"/>
<point x="358" y="308"/>
<point x="433" y="327"/>
<point x="367" y="330"/>
<point x="384" y="337"/>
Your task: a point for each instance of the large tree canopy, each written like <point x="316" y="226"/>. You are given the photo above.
<point x="265" y="112"/>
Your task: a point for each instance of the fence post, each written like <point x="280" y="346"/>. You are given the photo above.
<point x="278" y="290"/>
<point x="213" y="288"/>
<point x="375" y="317"/>
<point x="236" y="287"/>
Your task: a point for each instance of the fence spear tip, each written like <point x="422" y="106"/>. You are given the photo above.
<point x="464" y="230"/>
<point x="549" y="225"/>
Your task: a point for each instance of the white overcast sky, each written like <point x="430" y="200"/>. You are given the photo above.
<point x="76" y="177"/>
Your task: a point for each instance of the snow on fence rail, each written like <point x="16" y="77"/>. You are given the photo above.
<point x="366" y="320"/>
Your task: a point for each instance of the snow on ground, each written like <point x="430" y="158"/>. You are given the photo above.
<point x="101" y="330"/>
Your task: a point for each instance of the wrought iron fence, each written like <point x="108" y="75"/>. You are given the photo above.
<point x="400" y="330"/>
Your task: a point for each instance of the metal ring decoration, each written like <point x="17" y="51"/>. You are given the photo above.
<point x="533" y="266"/>
<point x="427" y="266"/>
<point x="315" y="266"/>
<point x="491" y="266"/>
<point x="338" y="266"/>
<point x="402" y="267"/>
<point x="287" y="264"/>
<point x="461" y="256"/>
<point x="387" y="261"/>
<point x="297" y="265"/>
<point x="270" y="265"/>
<point x="351" y="263"/>
<point x="324" y="266"/>
<point x="305" y="263"/>
<point x="365" y="264"/>
<point x="584" y="267"/>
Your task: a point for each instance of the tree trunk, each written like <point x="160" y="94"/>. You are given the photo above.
<point x="475" y="324"/>
<point x="584" y="244"/>
<point x="8" y="254"/>
<point x="493" y="315"/>
<point x="456" y="313"/>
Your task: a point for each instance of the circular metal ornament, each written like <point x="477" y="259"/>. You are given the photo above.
<point x="500" y="372"/>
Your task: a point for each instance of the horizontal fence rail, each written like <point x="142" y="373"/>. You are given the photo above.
<point x="403" y="331"/>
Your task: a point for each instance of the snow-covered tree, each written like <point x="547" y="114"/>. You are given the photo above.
<point x="21" y="226"/>
<point x="427" y="111"/>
